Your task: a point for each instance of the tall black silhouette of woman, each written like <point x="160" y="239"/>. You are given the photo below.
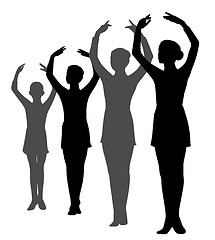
<point x="35" y="145"/>
<point x="118" y="131"/>
<point x="171" y="133"/>
<point x="75" y="133"/>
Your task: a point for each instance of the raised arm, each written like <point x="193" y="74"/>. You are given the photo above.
<point x="91" y="85"/>
<point x="193" y="40"/>
<point x="149" y="68"/>
<point x="140" y="72"/>
<point x="14" y="88"/>
<point x="102" y="72"/>
<point x="51" y="97"/>
<point x="49" y="73"/>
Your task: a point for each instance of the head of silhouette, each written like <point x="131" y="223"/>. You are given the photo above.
<point x="74" y="74"/>
<point x="36" y="90"/>
<point x="169" y="51"/>
<point x="119" y="59"/>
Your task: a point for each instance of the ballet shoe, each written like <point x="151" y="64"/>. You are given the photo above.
<point x="167" y="226"/>
<point x="32" y="206"/>
<point x="41" y="204"/>
<point x="123" y="222"/>
<point x="114" y="223"/>
<point x="164" y="230"/>
<point x="178" y="227"/>
<point x="74" y="211"/>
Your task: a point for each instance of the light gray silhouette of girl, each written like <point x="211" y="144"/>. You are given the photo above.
<point x="35" y="145"/>
<point x="118" y="131"/>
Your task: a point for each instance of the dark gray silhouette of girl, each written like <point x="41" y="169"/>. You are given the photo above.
<point x="35" y="145"/>
<point x="118" y="131"/>
<point x="171" y="133"/>
<point x="75" y="133"/>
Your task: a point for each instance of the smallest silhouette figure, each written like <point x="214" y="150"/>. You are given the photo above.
<point x="35" y="145"/>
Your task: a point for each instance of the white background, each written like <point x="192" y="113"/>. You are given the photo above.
<point x="30" y="32"/>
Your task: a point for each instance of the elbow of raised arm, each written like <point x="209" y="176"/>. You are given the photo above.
<point x="48" y="74"/>
<point x="135" y="52"/>
<point x="150" y="57"/>
<point x="13" y="87"/>
<point x="197" y="42"/>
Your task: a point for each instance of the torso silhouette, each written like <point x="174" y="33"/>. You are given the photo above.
<point x="118" y="124"/>
<point x="75" y="131"/>
<point x="170" y="122"/>
<point x="35" y="139"/>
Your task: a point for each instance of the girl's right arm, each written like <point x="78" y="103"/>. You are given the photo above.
<point x="51" y="97"/>
<point x="49" y="72"/>
<point x="150" y="68"/>
<point x="92" y="83"/>
<point x="14" y="88"/>
<point x="102" y="72"/>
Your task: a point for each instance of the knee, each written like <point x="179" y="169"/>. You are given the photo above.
<point x="40" y="167"/>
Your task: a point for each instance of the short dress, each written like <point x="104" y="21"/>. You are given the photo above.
<point x="170" y="125"/>
<point x="75" y="135"/>
<point x="75" y="131"/>
<point x="35" y="137"/>
<point x="35" y="142"/>
<point x="118" y="127"/>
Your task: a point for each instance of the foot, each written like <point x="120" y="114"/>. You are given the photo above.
<point x="41" y="204"/>
<point x="164" y="230"/>
<point x="114" y="223"/>
<point x="32" y="206"/>
<point x="167" y="226"/>
<point x="178" y="227"/>
<point x="123" y="222"/>
<point x="74" y="211"/>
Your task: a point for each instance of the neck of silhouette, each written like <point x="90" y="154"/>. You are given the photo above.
<point x="120" y="72"/>
<point x="37" y="100"/>
<point x="169" y="66"/>
<point x="74" y="87"/>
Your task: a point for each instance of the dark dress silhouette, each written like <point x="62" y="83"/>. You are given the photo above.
<point x="118" y="131"/>
<point x="35" y="145"/>
<point x="171" y="133"/>
<point x="75" y="132"/>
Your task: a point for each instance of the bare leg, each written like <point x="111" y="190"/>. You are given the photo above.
<point x="179" y="180"/>
<point x="118" y="162"/>
<point x="40" y="179"/>
<point x="171" y="171"/>
<point x="33" y="180"/>
<point x="75" y="161"/>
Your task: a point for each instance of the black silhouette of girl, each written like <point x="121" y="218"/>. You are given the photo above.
<point x="35" y="146"/>
<point x="75" y="132"/>
<point x="170" y="132"/>
<point x="118" y="131"/>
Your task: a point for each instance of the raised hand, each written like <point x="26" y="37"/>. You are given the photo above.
<point x="144" y="21"/>
<point x="173" y="18"/>
<point x="132" y="27"/>
<point x="59" y="51"/>
<point x="43" y="68"/>
<point x="83" y="53"/>
<point x="20" y="68"/>
<point x="103" y="28"/>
